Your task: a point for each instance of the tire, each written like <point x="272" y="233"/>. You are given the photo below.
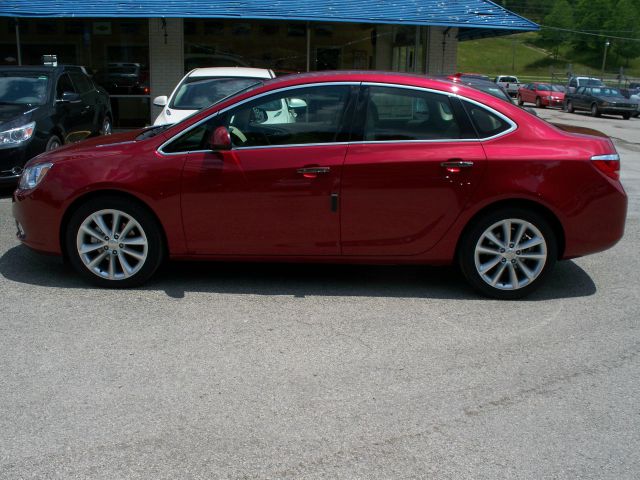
<point x="570" y="108"/>
<point x="501" y="261"/>
<point x="595" y="111"/>
<point x="53" y="143"/>
<point x="520" y="102"/>
<point x="539" y="103"/>
<point x="106" y="258"/>
<point x="107" y="126"/>
<point x="626" y="116"/>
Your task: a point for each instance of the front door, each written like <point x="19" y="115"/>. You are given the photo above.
<point x="275" y="192"/>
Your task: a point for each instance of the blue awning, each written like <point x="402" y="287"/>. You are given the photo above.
<point x="474" y="18"/>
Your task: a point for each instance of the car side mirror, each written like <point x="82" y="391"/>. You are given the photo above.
<point x="296" y="103"/>
<point x="220" y="139"/>
<point x="70" y="97"/>
<point x="160" y="101"/>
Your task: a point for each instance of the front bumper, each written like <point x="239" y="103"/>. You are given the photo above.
<point x="37" y="221"/>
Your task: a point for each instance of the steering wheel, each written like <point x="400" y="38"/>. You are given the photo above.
<point x="236" y="132"/>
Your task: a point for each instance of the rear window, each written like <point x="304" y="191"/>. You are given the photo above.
<point x="200" y="92"/>
<point x="486" y="123"/>
<point x="509" y="79"/>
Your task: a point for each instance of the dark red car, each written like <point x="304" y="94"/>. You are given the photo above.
<point x="364" y="168"/>
<point x="541" y="94"/>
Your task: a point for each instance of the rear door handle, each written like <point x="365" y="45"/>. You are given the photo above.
<point x="454" y="166"/>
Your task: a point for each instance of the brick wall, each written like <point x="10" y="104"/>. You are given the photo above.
<point x="166" y="59"/>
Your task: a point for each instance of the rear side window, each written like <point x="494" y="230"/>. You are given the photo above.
<point x="396" y="114"/>
<point x="486" y="123"/>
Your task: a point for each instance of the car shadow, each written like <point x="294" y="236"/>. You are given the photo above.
<point x="19" y="264"/>
<point x="7" y="192"/>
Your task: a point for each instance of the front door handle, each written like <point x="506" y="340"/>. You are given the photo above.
<point x="313" y="172"/>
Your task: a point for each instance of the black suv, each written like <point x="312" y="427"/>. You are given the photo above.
<point x="43" y="107"/>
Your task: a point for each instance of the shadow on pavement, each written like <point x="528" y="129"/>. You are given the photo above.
<point x="19" y="264"/>
<point x="6" y="192"/>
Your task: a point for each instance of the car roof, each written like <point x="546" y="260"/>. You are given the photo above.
<point x="39" y="68"/>
<point x="232" y="72"/>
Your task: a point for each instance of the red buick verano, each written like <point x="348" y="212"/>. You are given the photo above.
<point x="332" y="167"/>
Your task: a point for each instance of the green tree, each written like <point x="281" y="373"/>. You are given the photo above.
<point x="560" y="17"/>
<point x="591" y="16"/>
<point x="625" y="22"/>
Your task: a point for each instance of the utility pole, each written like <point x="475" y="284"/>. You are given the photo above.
<point x="604" y="57"/>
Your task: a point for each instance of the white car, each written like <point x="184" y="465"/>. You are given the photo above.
<point x="202" y="87"/>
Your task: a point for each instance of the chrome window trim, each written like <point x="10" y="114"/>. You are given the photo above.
<point x="513" y="125"/>
<point x="246" y="100"/>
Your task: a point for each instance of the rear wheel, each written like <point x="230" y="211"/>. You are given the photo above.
<point x="506" y="254"/>
<point x="626" y="116"/>
<point x="107" y="127"/>
<point x="520" y="102"/>
<point x="114" y="242"/>
<point x="570" y="108"/>
<point x="595" y="111"/>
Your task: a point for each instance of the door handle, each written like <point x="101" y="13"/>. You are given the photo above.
<point x="455" y="165"/>
<point x="313" y="172"/>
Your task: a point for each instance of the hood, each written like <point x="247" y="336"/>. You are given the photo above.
<point x="15" y="114"/>
<point x="612" y="98"/>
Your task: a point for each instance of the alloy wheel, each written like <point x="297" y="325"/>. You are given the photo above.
<point x="510" y="254"/>
<point x="112" y="244"/>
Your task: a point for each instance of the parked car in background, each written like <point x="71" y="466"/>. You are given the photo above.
<point x="470" y="76"/>
<point x="376" y="167"/>
<point x="599" y="100"/>
<point x="632" y="94"/>
<point x="202" y="87"/>
<point x="44" y="107"/>
<point x="489" y="87"/>
<point x="575" y="82"/>
<point x="541" y="94"/>
<point x="509" y="82"/>
<point x="123" y="78"/>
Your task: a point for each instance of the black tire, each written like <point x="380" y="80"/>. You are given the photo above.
<point x="626" y="116"/>
<point x="520" y="102"/>
<point x="595" y="111"/>
<point x="107" y="126"/>
<point x="149" y="230"/>
<point x="570" y="108"/>
<point x="53" y="143"/>
<point x="539" y="103"/>
<point x="474" y="236"/>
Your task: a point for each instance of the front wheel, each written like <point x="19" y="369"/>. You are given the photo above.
<point x="626" y="116"/>
<point x="520" y="102"/>
<point x="570" y="108"/>
<point x="114" y="242"/>
<point x="539" y="103"/>
<point x="595" y="111"/>
<point x="107" y="127"/>
<point x="506" y="254"/>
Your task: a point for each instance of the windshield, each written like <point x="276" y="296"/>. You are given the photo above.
<point x="606" y="92"/>
<point x="197" y="93"/>
<point x="492" y="90"/>
<point x="23" y="88"/>
<point x="589" y="82"/>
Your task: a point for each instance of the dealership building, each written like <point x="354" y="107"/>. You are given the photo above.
<point x="139" y="49"/>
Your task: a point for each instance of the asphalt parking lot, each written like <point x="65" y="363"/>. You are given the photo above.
<point x="307" y="372"/>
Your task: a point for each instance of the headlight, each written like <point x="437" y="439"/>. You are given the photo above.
<point x="33" y="175"/>
<point x="549" y="97"/>
<point x="16" y="136"/>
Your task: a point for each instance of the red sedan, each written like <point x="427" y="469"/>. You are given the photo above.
<point x="542" y="94"/>
<point x="358" y="167"/>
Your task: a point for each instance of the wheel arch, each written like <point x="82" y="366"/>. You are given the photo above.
<point x="105" y="193"/>
<point x="551" y="217"/>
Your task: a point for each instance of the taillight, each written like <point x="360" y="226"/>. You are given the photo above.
<point x="608" y="164"/>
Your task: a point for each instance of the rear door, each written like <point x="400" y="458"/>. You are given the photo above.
<point x="88" y="95"/>
<point x="413" y="164"/>
<point x="70" y="114"/>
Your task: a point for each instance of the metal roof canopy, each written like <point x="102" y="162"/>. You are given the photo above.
<point x="473" y="18"/>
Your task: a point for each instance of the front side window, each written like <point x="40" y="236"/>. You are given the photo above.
<point x="487" y="123"/>
<point x="302" y="116"/>
<point x="64" y="85"/>
<point x="81" y="81"/>
<point x="397" y="114"/>
<point x="23" y="88"/>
